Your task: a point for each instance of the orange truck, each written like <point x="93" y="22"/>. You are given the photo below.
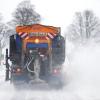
<point x="37" y="53"/>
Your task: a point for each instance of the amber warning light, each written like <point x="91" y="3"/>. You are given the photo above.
<point x="37" y="41"/>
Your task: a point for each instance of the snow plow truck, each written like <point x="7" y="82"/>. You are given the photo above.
<point x="36" y="53"/>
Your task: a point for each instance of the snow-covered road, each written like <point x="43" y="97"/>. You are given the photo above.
<point x="82" y="76"/>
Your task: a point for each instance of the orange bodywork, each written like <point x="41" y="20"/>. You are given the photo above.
<point x="37" y="28"/>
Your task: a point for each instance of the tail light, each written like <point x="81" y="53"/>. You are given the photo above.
<point x="17" y="70"/>
<point x="56" y="71"/>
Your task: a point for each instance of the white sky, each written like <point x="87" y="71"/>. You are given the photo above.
<point x="53" y="12"/>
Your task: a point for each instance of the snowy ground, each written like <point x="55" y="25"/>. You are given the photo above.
<point x="82" y="76"/>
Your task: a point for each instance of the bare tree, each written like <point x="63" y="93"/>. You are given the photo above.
<point x="25" y="14"/>
<point x="2" y="25"/>
<point x="2" y="29"/>
<point x="85" y="26"/>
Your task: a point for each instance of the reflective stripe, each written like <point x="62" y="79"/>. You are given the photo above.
<point x="47" y="38"/>
<point x="50" y="36"/>
<point x="53" y="34"/>
<point x="20" y="33"/>
<point x="24" y="35"/>
<point x="27" y="38"/>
